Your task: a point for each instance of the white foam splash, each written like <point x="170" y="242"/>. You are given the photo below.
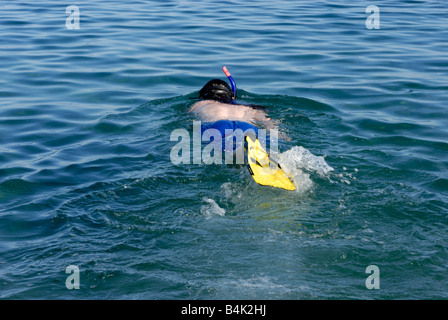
<point x="298" y="163"/>
<point x="212" y="208"/>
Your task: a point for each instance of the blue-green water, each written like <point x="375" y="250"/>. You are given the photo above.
<point x="86" y="178"/>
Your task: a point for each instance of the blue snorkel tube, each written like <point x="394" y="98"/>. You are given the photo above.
<point x="232" y="82"/>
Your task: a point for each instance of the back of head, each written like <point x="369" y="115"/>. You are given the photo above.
<point x="218" y="90"/>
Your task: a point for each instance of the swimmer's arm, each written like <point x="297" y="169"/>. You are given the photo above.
<point x="268" y="123"/>
<point x="261" y="117"/>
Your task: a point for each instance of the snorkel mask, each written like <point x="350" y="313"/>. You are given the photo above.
<point x="219" y="90"/>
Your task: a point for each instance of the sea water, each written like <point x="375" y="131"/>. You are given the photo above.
<point x="92" y="207"/>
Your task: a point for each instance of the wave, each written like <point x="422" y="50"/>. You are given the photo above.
<point x="299" y="163"/>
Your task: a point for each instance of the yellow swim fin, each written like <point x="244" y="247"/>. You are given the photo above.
<point x="265" y="171"/>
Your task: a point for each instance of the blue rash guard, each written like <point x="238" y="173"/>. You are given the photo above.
<point x="233" y="136"/>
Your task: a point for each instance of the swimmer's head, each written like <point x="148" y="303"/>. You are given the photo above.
<point x="218" y="90"/>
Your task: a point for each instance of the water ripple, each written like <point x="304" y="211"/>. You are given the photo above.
<point x="86" y="178"/>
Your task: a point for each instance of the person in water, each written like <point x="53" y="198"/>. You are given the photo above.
<point x="217" y="110"/>
<point x="218" y="104"/>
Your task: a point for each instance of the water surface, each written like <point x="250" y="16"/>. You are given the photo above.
<point x="86" y="178"/>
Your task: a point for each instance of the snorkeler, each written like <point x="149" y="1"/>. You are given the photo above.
<point x="218" y="110"/>
<point x="218" y="104"/>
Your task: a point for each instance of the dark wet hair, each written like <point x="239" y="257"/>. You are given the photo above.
<point x="218" y="90"/>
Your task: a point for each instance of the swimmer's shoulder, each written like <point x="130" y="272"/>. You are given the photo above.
<point x="202" y="103"/>
<point x="206" y="104"/>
